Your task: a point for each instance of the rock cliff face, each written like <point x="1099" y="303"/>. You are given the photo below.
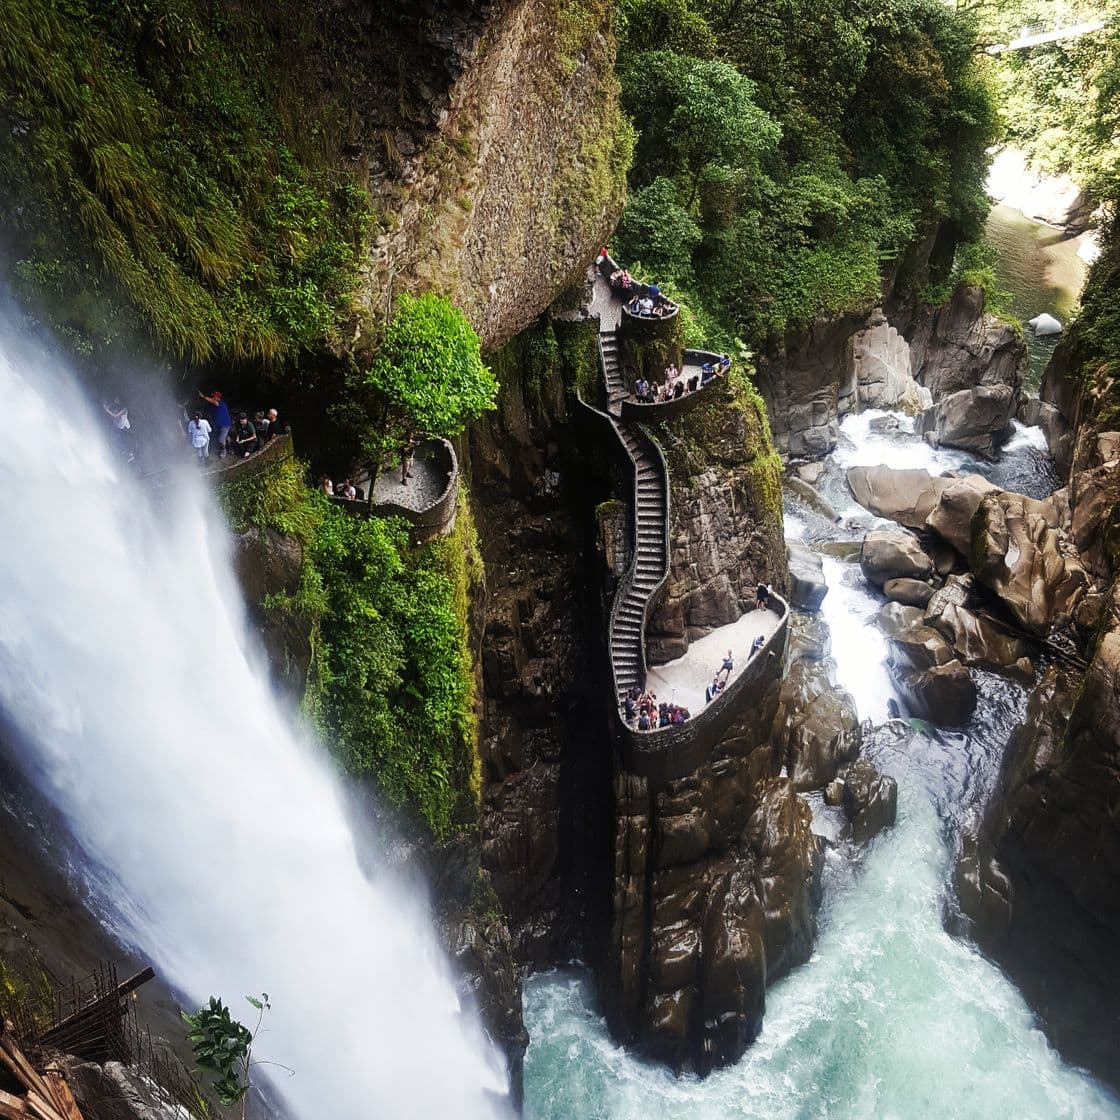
<point x="545" y="753"/>
<point x="1040" y="885"/>
<point x="725" y="512"/>
<point x="490" y="134"/>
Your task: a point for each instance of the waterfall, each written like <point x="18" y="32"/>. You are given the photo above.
<point x="212" y="832"/>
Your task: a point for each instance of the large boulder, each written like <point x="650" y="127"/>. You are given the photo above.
<point x="1018" y="555"/>
<point x="977" y="641"/>
<point x="919" y="647"/>
<point x="807" y="586"/>
<point x="893" y="554"/>
<point x="816" y="728"/>
<point x="905" y="496"/>
<point x="945" y="694"/>
<point x="951" y="518"/>
<point x="1045" y="325"/>
<point x="869" y="799"/>
<point x="896" y="617"/>
<point x="975" y="420"/>
<point x="912" y="592"/>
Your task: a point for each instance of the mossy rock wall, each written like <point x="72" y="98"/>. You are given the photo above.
<point x="649" y="346"/>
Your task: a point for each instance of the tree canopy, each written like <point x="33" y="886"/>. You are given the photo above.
<point x="428" y="370"/>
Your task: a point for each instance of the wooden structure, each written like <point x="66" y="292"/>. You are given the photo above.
<point x="45" y="1096"/>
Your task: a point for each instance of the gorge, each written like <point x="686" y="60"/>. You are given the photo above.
<point x="397" y="762"/>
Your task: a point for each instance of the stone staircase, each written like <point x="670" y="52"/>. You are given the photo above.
<point x="612" y="371"/>
<point x="650" y="563"/>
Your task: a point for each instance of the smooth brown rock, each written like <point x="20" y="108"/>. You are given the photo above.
<point x="919" y="647"/>
<point x="895" y="617"/>
<point x="951" y="518"/>
<point x="893" y="554"/>
<point x="807" y="586"/>
<point x="911" y="592"/>
<point x="975" y="420"/>
<point x="906" y="496"/>
<point x="945" y="694"/>
<point x="869" y="799"/>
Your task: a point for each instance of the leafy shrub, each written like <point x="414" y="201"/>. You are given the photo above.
<point x="428" y="375"/>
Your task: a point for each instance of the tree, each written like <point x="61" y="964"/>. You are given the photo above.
<point x="428" y="373"/>
<point x="657" y="231"/>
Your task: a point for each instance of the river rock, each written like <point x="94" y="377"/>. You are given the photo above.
<point x="893" y="554"/>
<point x="975" y="640"/>
<point x="896" y="617"/>
<point x="919" y="647"/>
<point x="943" y="694"/>
<point x="1045" y="325"/>
<point x="906" y="496"/>
<point x="816" y="726"/>
<point x="1036" y="413"/>
<point x="951" y="518"/>
<point x="1020" y="557"/>
<point x="807" y="586"/>
<point x="869" y="799"/>
<point x="974" y="420"/>
<point x="115" y="1092"/>
<point x="809" y="495"/>
<point x="912" y="592"/>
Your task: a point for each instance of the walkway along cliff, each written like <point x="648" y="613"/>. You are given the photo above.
<point x="715" y="870"/>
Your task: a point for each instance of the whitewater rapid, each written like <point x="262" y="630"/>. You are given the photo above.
<point x="213" y="834"/>
<point x="892" y="1017"/>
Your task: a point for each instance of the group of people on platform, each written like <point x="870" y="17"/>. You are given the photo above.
<point x="642" y="300"/>
<point x="344" y="489"/>
<point x="676" y="385"/>
<point x="215" y="429"/>
<point x="642" y="711"/>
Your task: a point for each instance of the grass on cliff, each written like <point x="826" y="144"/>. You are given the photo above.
<point x="392" y="688"/>
<point x="149" y="188"/>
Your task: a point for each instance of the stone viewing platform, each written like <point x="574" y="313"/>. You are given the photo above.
<point x="427" y="501"/>
<point x="235" y="468"/>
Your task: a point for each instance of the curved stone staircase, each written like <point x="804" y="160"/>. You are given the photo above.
<point x="650" y="565"/>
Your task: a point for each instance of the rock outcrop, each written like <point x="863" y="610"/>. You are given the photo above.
<point x="807" y="585"/>
<point x="869" y="799"/>
<point x="816" y="728"/>
<point x="881" y="370"/>
<point x="976" y="420"/>
<point x="962" y="346"/>
<point x="933" y="682"/>
<point x="893" y="554"/>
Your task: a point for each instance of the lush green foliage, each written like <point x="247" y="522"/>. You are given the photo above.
<point x="428" y="375"/>
<point x="222" y="1046"/>
<point x="392" y="688"/>
<point x="790" y="147"/>
<point x="155" y="189"/>
<point x="1061" y="101"/>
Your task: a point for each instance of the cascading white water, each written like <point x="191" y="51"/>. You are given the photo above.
<point x="893" y="1016"/>
<point x="214" y="834"/>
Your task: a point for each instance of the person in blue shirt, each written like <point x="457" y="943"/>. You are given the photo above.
<point x="220" y="421"/>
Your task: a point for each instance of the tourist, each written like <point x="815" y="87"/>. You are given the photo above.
<point x="671" y="374"/>
<point x="756" y="645"/>
<point x="275" y="424"/>
<point x="346" y="489"/>
<point x="198" y="432"/>
<point x="643" y="721"/>
<point x="408" y="455"/>
<point x="244" y="440"/>
<point x="628" y="707"/>
<point x="326" y="486"/>
<point x="707" y="372"/>
<point x="654" y="292"/>
<point x="220" y="421"/>
<point x="694" y="383"/>
<point x="118" y="414"/>
<point x="664" y="719"/>
<point x="641" y="389"/>
<point x="763" y="596"/>
<point x="727" y="667"/>
<point x="260" y="422"/>
<point x="678" y="390"/>
<point x="712" y="691"/>
<point x="645" y="306"/>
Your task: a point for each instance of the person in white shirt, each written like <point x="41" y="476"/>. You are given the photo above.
<point x="198" y="431"/>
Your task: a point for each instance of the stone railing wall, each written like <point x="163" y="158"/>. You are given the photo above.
<point x="635" y="410"/>
<point x="227" y="470"/>
<point x="437" y="518"/>
<point x="668" y="753"/>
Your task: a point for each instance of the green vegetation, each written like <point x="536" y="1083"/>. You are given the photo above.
<point x="1060" y="101"/>
<point x="392" y="688"/>
<point x="223" y="1048"/>
<point x="427" y="376"/>
<point x="787" y="149"/>
<point x="150" y="190"/>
